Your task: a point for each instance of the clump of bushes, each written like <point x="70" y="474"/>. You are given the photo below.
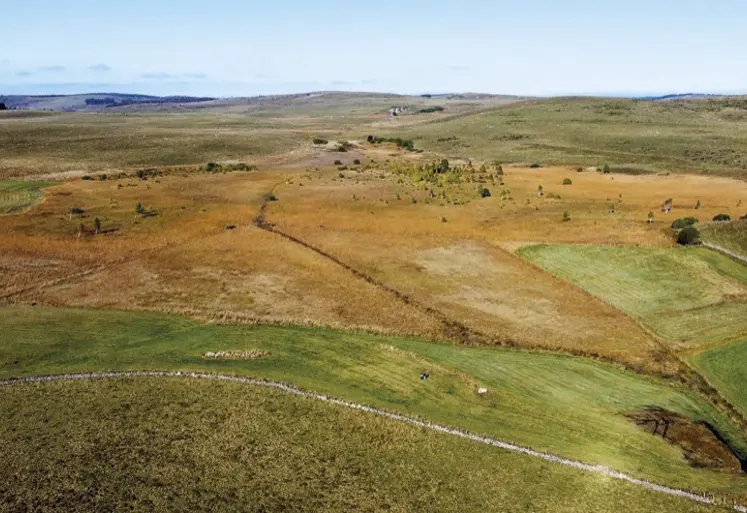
<point x="86" y="177"/>
<point x="722" y="217"/>
<point x="272" y="197"/>
<point x="535" y="165"/>
<point x="688" y="236"/>
<point x="407" y="144"/>
<point x="567" y="181"/>
<point x="484" y="192"/>
<point x="357" y="162"/>
<point x="338" y="162"/>
<point x="679" y="224"/>
<point x="744" y="217"/>
<point x="213" y="167"/>
<point x="144" y="174"/>
<point x="428" y="110"/>
<point x="240" y="167"/>
<point x="319" y="141"/>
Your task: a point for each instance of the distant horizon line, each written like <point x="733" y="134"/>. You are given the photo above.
<point x="609" y="94"/>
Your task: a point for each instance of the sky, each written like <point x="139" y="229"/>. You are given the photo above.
<point x="250" y="47"/>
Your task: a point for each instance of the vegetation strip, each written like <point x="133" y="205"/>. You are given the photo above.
<point x="598" y="469"/>
<point x="718" y="249"/>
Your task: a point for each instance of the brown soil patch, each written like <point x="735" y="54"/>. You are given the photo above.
<point x="700" y="443"/>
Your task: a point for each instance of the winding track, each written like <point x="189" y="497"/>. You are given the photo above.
<point x="597" y="469"/>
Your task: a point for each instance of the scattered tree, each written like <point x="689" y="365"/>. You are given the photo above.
<point x="96" y="225"/>
<point x="697" y="205"/>
<point x="566" y="216"/>
<point x="606" y="169"/>
<point x="567" y="181"/>
<point x="722" y="217"/>
<point x="483" y="192"/>
<point x="3" y="106"/>
<point x="139" y="208"/>
<point x="650" y="218"/>
<point x="688" y="236"/>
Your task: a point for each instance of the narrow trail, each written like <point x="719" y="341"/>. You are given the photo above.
<point x="595" y="469"/>
<point x="718" y="249"/>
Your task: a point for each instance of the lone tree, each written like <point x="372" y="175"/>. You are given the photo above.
<point x="483" y="192"/>
<point x="606" y="169"/>
<point x="566" y="216"/>
<point x="697" y="205"/>
<point x="722" y="217"/>
<point x="567" y="181"/>
<point x="688" y="236"/>
<point x="96" y="225"/>
<point x="650" y="218"/>
<point x="3" y="106"/>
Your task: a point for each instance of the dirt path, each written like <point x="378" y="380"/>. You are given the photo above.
<point x="596" y="469"/>
<point x="735" y="256"/>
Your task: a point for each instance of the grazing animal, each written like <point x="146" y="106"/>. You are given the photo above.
<point x="424" y="376"/>
<point x="482" y="391"/>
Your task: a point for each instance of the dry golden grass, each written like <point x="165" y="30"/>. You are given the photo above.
<point x="454" y="255"/>
<point x="183" y="259"/>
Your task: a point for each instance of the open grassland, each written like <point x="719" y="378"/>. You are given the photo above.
<point x="183" y="259"/>
<point x="684" y="294"/>
<point x="564" y="405"/>
<point x="17" y="196"/>
<point x="725" y="368"/>
<point x="704" y="136"/>
<point x="731" y="236"/>
<point x="126" y="443"/>
<point x="637" y="136"/>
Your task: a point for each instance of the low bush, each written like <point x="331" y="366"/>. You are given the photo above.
<point x="357" y="162"/>
<point x="143" y="174"/>
<point x="688" y="236"/>
<point x="606" y="169"/>
<point x="679" y="224"/>
<point x="567" y="181"/>
<point x="318" y="140"/>
<point x="428" y="110"/>
<point x="535" y="165"/>
<point x="213" y="167"/>
<point x="77" y="211"/>
<point x="86" y="177"/>
<point x="338" y="162"/>
<point x="722" y="217"/>
<point x="484" y="192"/>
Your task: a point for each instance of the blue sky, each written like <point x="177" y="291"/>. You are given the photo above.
<point x="249" y="47"/>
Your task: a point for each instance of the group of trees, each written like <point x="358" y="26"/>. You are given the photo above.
<point x="3" y="106"/>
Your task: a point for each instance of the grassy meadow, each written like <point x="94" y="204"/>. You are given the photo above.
<point x="18" y="196"/>
<point x="724" y="367"/>
<point x="693" y="296"/>
<point x="730" y="235"/>
<point x="634" y="136"/>
<point x="569" y="406"/>
<point x="126" y="445"/>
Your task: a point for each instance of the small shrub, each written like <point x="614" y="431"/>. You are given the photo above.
<point x="688" y="236"/>
<point x="744" y="217"/>
<point x="683" y="222"/>
<point x="580" y="170"/>
<point x="535" y="165"/>
<point x="86" y="177"/>
<point x="338" y="162"/>
<point x="567" y="181"/>
<point x="96" y="225"/>
<point x="566" y="216"/>
<point x="484" y="192"/>
<point x="371" y="139"/>
<point x="212" y="167"/>
<point x="697" y="205"/>
<point x="139" y="208"/>
<point x="428" y="110"/>
<point x="357" y="162"/>
<point x="103" y="177"/>
<point x="272" y="197"/>
<point x="319" y="140"/>
<point x="722" y="217"/>
<point x="606" y="169"/>
<point x="443" y="220"/>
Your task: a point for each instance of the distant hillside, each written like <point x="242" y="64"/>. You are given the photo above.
<point x="684" y="96"/>
<point x="95" y="101"/>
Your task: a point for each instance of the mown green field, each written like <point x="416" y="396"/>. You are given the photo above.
<point x="694" y="296"/>
<point x="16" y="196"/>
<point x="732" y="236"/>
<point x="630" y="135"/>
<point x="569" y="406"/>
<point x="726" y="368"/>
<point x="126" y="445"/>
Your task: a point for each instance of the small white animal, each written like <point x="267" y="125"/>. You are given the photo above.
<point x="482" y="391"/>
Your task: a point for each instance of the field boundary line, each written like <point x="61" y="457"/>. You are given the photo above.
<point x="285" y="387"/>
<point x="718" y="249"/>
